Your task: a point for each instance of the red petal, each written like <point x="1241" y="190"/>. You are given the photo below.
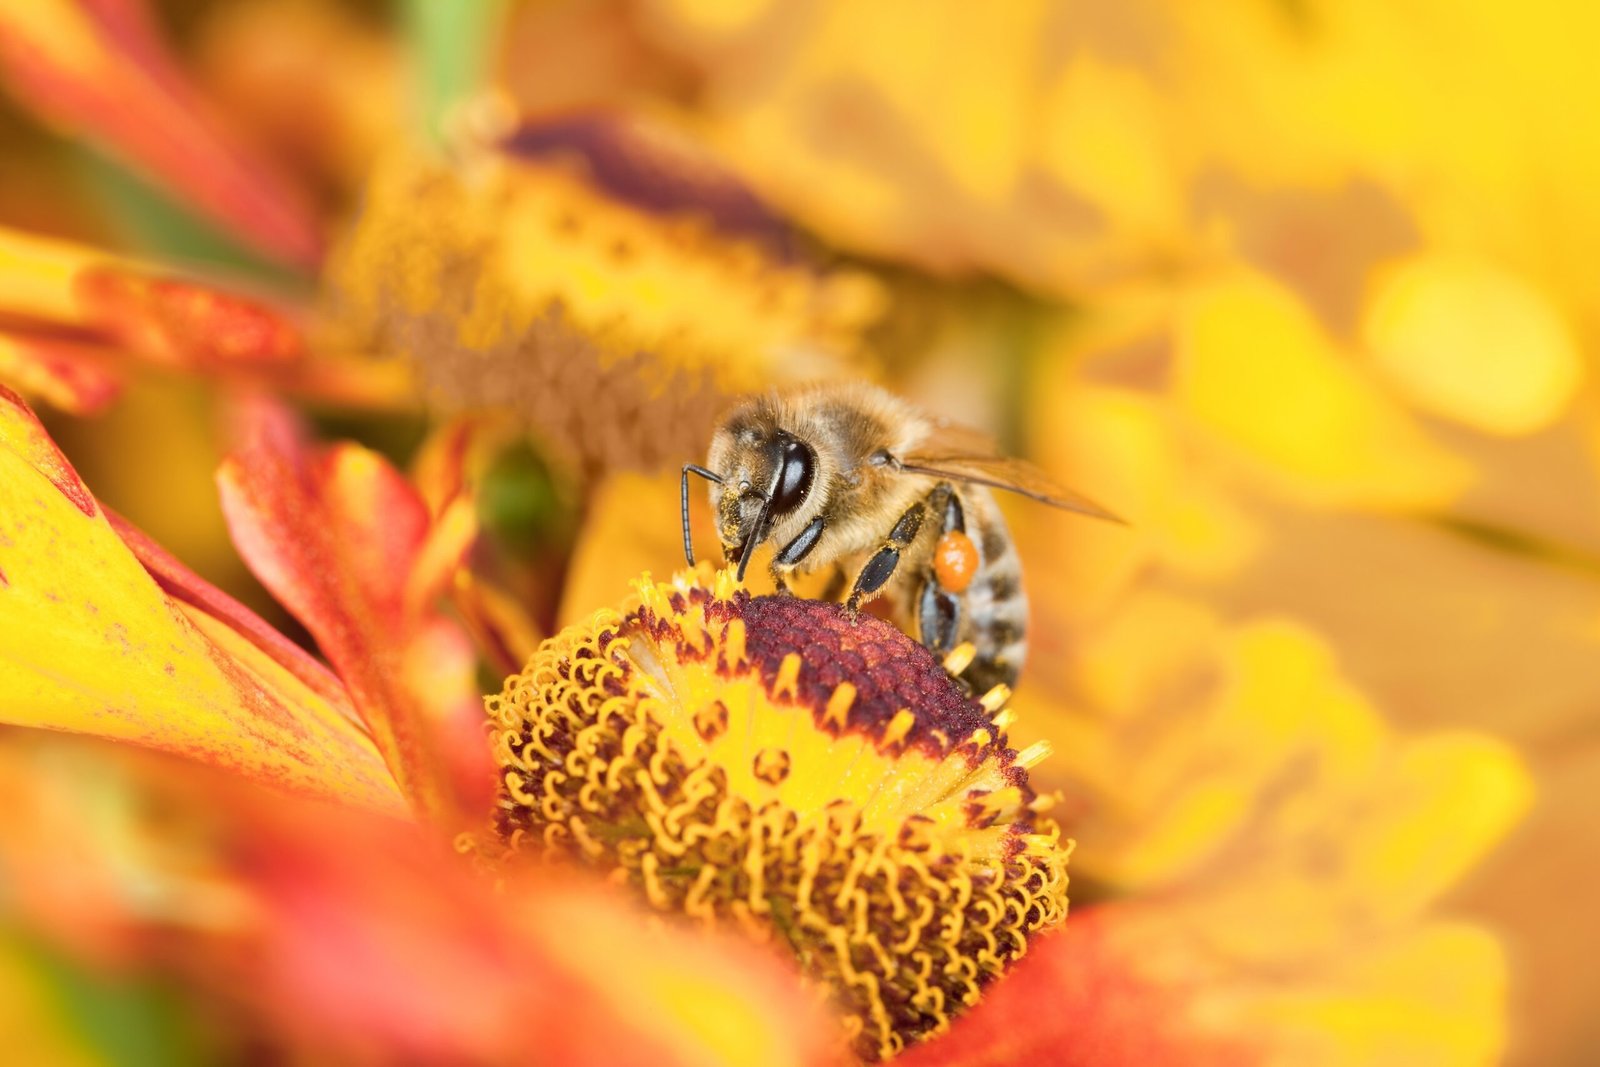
<point x="185" y="324"/>
<point x="337" y="535"/>
<point x="96" y="70"/>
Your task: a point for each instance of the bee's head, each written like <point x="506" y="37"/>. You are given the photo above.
<point x="767" y="474"/>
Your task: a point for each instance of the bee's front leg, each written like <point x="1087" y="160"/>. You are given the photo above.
<point x="880" y="567"/>
<point x="790" y="555"/>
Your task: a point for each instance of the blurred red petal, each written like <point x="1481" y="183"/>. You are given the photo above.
<point x="337" y="535"/>
<point x="68" y="375"/>
<point x="1084" y="997"/>
<point x="96" y="70"/>
<point x="185" y="324"/>
<point x="347" y="937"/>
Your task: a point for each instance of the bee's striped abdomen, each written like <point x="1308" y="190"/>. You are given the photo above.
<point x="994" y="609"/>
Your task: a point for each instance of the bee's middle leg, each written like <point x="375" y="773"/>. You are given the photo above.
<point x="881" y="566"/>
<point x="796" y="550"/>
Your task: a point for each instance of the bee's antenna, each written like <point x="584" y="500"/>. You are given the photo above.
<point x="758" y="531"/>
<point x="688" y="540"/>
<point x="754" y="539"/>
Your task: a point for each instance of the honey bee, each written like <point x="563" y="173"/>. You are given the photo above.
<point x="849" y="476"/>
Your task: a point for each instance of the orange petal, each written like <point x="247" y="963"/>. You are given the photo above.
<point x="499" y="623"/>
<point x="97" y="71"/>
<point x="337" y="536"/>
<point x="89" y="643"/>
<point x="445" y="471"/>
<point x="315" y="84"/>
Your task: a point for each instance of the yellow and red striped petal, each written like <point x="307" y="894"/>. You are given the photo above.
<point x="341" y="538"/>
<point x="141" y="309"/>
<point x="99" y="72"/>
<point x="74" y="318"/>
<point x="90" y="643"/>
<point x="144" y="308"/>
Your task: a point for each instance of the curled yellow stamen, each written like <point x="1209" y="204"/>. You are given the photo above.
<point x="773" y="764"/>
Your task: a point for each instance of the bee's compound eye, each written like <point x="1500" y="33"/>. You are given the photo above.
<point x="797" y="467"/>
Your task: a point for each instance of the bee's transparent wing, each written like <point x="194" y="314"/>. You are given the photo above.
<point x="998" y="472"/>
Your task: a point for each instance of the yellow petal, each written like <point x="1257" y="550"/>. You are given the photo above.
<point x="1255" y="368"/>
<point x="1463" y="339"/>
<point x="1449" y="799"/>
<point x="89" y="643"/>
<point x="1105" y="141"/>
<point x="38" y="276"/>
<point x="1249" y="761"/>
<point x="632" y="529"/>
<point x="1122" y="447"/>
<point x="1436" y="996"/>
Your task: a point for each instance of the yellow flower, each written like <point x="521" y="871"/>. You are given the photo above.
<point x="813" y="778"/>
<point x="609" y="286"/>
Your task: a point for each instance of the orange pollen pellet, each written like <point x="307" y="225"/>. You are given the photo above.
<point x="955" y="561"/>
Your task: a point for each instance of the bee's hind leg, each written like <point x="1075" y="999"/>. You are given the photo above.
<point x="880" y="567"/>
<point x="939" y="609"/>
<point x="938" y="616"/>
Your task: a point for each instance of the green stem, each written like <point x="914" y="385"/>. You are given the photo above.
<point x="452" y="44"/>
